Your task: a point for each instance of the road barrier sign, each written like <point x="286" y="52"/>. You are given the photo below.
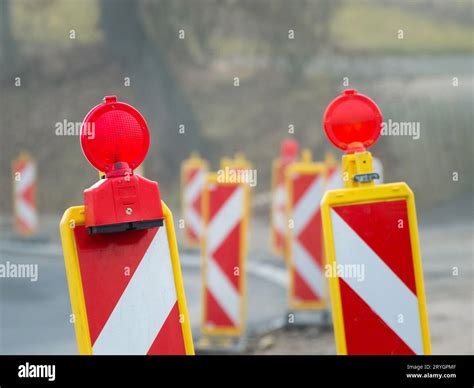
<point x="120" y="249"/>
<point x="193" y="175"/>
<point x="372" y="247"/>
<point x="278" y="220"/>
<point x="224" y="250"/>
<point x="24" y="195"/>
<point x="305" y="183"/>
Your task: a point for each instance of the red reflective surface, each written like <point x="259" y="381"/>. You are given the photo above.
<point x="114" y="132"/>
<point x="352" y="121"/>
<point x="289" y="149"/>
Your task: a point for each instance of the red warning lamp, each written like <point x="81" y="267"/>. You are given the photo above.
<point x="115" y="139"/>
<point x="352" y="122"/>
<point x="289" y="150"/>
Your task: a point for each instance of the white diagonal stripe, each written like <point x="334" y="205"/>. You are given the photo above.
<point x="279" y="214"/>
<point x="26" y="213"/>
<point x="307" y="205"/>
<point x="279" y="196"/>
<point x="335" y="181"/>
<point x="377" y="166"/>
<point x="225" y="220"/>
<point x="27" y="178"/>
<point x="308" y="269"/>
<point x="381" y="289"/>
<point x="144" y="306"/>
<point x="194" y="187"/>
<point x="194" y="221"/>
<point x="223" y="291"/>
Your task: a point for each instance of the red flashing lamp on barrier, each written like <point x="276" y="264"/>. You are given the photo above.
<point x="289" y="150"/>
<point x="353" y="122"/>
<point x="118" y="146"/>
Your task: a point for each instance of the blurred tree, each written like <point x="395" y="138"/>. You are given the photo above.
<point x="7" y="44"/>
<point x="149" y="38"/>
<point x="148" y="66"/>
<point x="294" y="31"/>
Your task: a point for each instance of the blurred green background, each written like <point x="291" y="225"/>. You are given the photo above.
<point x="68" y="54"/>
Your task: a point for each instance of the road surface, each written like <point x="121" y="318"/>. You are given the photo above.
<point x="34" y="316"/>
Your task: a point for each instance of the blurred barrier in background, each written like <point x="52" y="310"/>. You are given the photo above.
<point x="305" y="185"/>
<point x="224" y="256"/>
<point x="289" y="149"/>
<point x="193" y="177"/>
<point x="24" y="174"/>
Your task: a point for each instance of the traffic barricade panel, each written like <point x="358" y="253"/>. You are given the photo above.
<point x="224" y="248"/>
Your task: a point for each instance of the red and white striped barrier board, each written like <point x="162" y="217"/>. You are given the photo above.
<point x="193" y="177"/>
<point x="305" y="249"/>
<point x="278" y="216"/>
<point x="224" y="247"/>
<point x="126" y="289"/>
<point x="24" y="195"/>
<point x="376" y="284"/>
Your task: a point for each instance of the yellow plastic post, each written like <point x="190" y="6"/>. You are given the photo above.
<point x="226" y="162"/>
<point x="307" y="155"/>
<point x="354" y="164"/>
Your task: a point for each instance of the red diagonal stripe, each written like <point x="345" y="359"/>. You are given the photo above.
<point x="279" y="239"/>
<point x="170" y="337"/>
<point x="311" y="237"/>
<point x="218" y="197"/>
<point x="103" y="261"/>
<point x="215" y="314"/>
<point x="22" y="226"/>
<point x="191" y="234"/>
<point x="366" y="332"/>
<point x="227" y="255"/>
<point x="190" y="174"/>
<point x="301" y="289"/>
<point x="29" y="194"/>
<point x="378" y="225"/>
<point x="300" y="185"/>
<point x="20" y="165"/>
<point x="196" y="204"/>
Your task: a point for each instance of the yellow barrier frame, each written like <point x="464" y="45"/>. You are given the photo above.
<point x="231" y="330"/>
<point x="302" y="168"/>
<point x="75" y="216"/>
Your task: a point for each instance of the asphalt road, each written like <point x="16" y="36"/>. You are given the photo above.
<point x="34" y="316"/>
